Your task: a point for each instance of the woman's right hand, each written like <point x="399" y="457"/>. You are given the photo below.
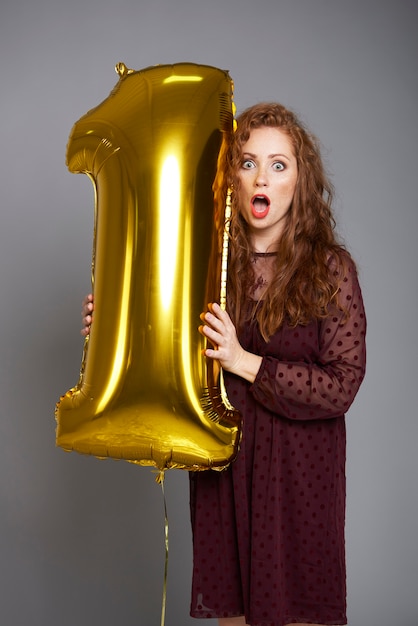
<point x="87" y="314"/>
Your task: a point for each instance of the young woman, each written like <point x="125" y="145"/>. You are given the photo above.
<point x="268" y="532"/>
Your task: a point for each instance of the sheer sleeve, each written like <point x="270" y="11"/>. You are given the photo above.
<point x="326" y="386"/>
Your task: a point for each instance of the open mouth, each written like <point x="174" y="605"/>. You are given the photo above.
<point x="260" y="205"/>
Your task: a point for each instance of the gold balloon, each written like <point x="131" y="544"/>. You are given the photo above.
<point x="146" y="394"/>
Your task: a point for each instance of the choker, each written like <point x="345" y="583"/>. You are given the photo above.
<point x="264" y="254"/>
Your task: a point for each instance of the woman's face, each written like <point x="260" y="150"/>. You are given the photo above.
<point x="268" y="175"/>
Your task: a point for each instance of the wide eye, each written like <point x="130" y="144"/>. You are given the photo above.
<point x="247" y="164"/>
<point x="278" y="166"/>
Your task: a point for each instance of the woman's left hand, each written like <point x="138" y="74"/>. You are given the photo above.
<point x="221" y="332"/>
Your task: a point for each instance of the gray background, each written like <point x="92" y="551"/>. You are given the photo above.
<point x="81" y="540"/>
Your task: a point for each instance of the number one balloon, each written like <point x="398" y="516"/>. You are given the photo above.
<point x="146" y="394"/>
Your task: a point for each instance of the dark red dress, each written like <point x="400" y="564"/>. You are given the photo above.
<point x="268" y="532"/>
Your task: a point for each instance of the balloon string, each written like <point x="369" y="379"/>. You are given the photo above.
<point x="160" y="480"/>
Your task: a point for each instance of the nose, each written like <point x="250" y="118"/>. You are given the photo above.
<point x="261" y="179"/>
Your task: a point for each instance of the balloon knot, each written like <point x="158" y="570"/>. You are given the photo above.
<point x="160" y="477"/>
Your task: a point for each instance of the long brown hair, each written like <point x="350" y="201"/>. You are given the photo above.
<point x="310" y="262"/>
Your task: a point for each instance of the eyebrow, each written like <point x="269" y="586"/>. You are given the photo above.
<point x="270" y="156"/>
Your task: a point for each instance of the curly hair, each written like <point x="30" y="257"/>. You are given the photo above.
<point x="310" y="262"/>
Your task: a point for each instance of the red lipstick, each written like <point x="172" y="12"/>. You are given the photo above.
<point x="260" y="205"/>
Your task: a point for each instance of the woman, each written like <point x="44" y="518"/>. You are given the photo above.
<point x="268" y="532"/>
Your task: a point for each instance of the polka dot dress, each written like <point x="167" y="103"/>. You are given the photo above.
<point x="268" y="532"/>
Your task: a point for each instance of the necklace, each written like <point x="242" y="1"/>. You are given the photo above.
<point x="264" y="254"/>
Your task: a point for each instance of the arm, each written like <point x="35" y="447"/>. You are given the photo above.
<point x="325" y="388"/>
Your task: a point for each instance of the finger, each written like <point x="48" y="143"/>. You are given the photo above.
<point x="88" y="301"/>
<point x="212" y="354"/>
<point x="88" y="298"/>
<point x="221" y="315"/>
<point x="87" y="309"/>
<point x="214" y="322"/>
<point x="210" y="335"/>
<point x="215" y="309"/>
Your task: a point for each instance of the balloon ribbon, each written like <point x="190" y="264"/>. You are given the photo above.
<point x="160" y="480"/>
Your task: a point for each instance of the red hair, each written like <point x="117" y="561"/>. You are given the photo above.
<point x="310" y="262"/>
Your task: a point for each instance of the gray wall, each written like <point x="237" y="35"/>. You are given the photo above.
<point x="82" y="540"/>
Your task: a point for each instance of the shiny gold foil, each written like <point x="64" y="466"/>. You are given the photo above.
<point x="146" y="394"/>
